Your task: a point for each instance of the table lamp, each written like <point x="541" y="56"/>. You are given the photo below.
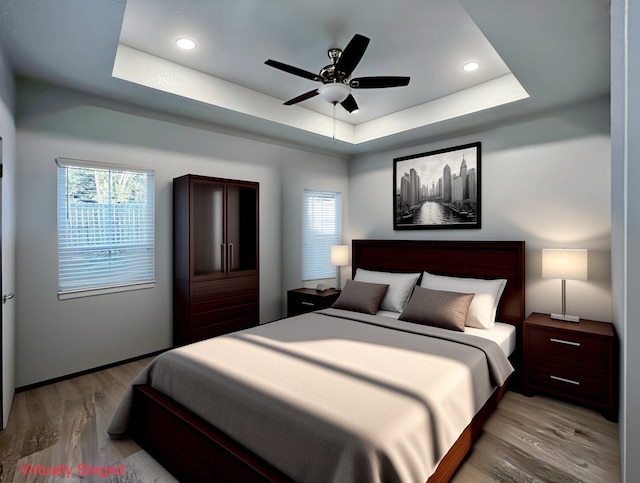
<point x="565" y="264"/>
<point x="339" y="258"/>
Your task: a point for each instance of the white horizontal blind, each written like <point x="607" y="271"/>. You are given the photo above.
<point x="105" y="226"/>
<point x="321" y="229"/>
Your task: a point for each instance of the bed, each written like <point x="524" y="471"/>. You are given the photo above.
<point x="379" y="418"/>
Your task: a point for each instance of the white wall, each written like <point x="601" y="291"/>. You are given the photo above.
<point x="625" y="250"/>
<point x="56" y="338"/>
<point x="545" y="180"/>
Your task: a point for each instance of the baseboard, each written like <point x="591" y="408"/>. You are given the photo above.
<point x="35" y="385"/>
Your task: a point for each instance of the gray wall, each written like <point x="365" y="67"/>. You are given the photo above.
<point x="8" y="158"/>
<point x="625" y="233"/>
<point x="56" y="338"/>
<point x="7" y="85"/>
<point x="545" y="180"/>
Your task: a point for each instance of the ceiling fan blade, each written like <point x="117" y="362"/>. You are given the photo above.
<point x="352" y="54"/>
<point x="350" y="104"/>
<point x="293" y="70"/>
<point x="302" y="97"/>
<point x="378" y="82"/>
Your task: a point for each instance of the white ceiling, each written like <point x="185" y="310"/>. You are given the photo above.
<point x="534" y="55"/>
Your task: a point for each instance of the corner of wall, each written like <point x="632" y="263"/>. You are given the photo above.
<point x="7" y="83"/>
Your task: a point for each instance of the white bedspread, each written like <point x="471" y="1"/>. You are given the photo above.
<point x="325" y="398"/>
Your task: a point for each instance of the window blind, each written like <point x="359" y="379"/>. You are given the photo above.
<point x="105" y="226"/>
<point x="321" y="229"/>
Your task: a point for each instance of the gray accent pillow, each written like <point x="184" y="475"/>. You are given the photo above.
<point x="438" y="308"/>
<point x="361" y="297"/>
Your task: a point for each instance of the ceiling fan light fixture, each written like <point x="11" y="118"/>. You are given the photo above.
<point x="334" y="92"/>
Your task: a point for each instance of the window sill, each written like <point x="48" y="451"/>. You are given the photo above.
<point x="102" y="291"/>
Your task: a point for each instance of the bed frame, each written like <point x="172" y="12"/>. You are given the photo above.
<point x="194" y="450"/>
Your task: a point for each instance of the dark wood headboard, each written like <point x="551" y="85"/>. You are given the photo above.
<point x="476" y="259"/>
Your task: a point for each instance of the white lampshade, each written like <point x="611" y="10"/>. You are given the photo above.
<point x="564" y="263"/>
<point x="334" y="92"/>
<point x="340" y="255"/>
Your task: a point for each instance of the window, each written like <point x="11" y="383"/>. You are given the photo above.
<point x="105" y="228"/>
<point x="321" y="229"/>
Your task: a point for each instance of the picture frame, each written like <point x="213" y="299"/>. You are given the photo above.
<point x="438" y="189"/>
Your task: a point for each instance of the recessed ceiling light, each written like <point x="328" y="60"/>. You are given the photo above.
<point x="470" y="66"/>
<point x="185" y="43"/>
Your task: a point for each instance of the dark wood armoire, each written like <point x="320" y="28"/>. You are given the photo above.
<point x="215" y="257"/>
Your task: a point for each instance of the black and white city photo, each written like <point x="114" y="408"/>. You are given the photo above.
<point x="438" y="189"/>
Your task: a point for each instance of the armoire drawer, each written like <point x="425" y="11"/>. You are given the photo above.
<point x="228" y="287"/>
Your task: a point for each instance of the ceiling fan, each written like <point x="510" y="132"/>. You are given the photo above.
<point x="336" y="77"/>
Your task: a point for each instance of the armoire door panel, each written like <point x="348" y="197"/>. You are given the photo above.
<point x="209" y="250"/>
<point x="242" y="235"/>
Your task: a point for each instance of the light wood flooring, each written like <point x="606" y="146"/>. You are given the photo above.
<point x="526" y="440"/>
<point x="539" y="439"/>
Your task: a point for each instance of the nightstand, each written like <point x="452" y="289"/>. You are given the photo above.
<point x="574" y="361"/>
<point x="303" y="300"/>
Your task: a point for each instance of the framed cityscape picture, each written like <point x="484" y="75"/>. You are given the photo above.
<point x="437" y="190"/>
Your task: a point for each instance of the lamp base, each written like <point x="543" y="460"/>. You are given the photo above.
<point x="565" y="317"/>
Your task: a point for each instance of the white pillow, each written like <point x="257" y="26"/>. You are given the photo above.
<point x="483" y="308"/>
<point x="400" y="286"/>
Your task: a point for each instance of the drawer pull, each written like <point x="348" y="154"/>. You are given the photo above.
<point x="566" y="342"/>
<point x="562" y="379"/>
<point x="310" y="304"/>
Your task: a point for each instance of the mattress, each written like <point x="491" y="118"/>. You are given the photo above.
<point x="371" y="398"/>
<point x="502" y="333"/>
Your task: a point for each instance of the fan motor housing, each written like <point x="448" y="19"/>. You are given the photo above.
<point x="329" y="72"/>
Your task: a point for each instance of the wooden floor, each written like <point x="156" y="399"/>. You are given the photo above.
<point x="539" y="439"/>
<point x="63" y="425"/>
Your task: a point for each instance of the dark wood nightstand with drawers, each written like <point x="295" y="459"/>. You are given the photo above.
<point x="303" y="300"/>
<point x="574" y="361"/>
